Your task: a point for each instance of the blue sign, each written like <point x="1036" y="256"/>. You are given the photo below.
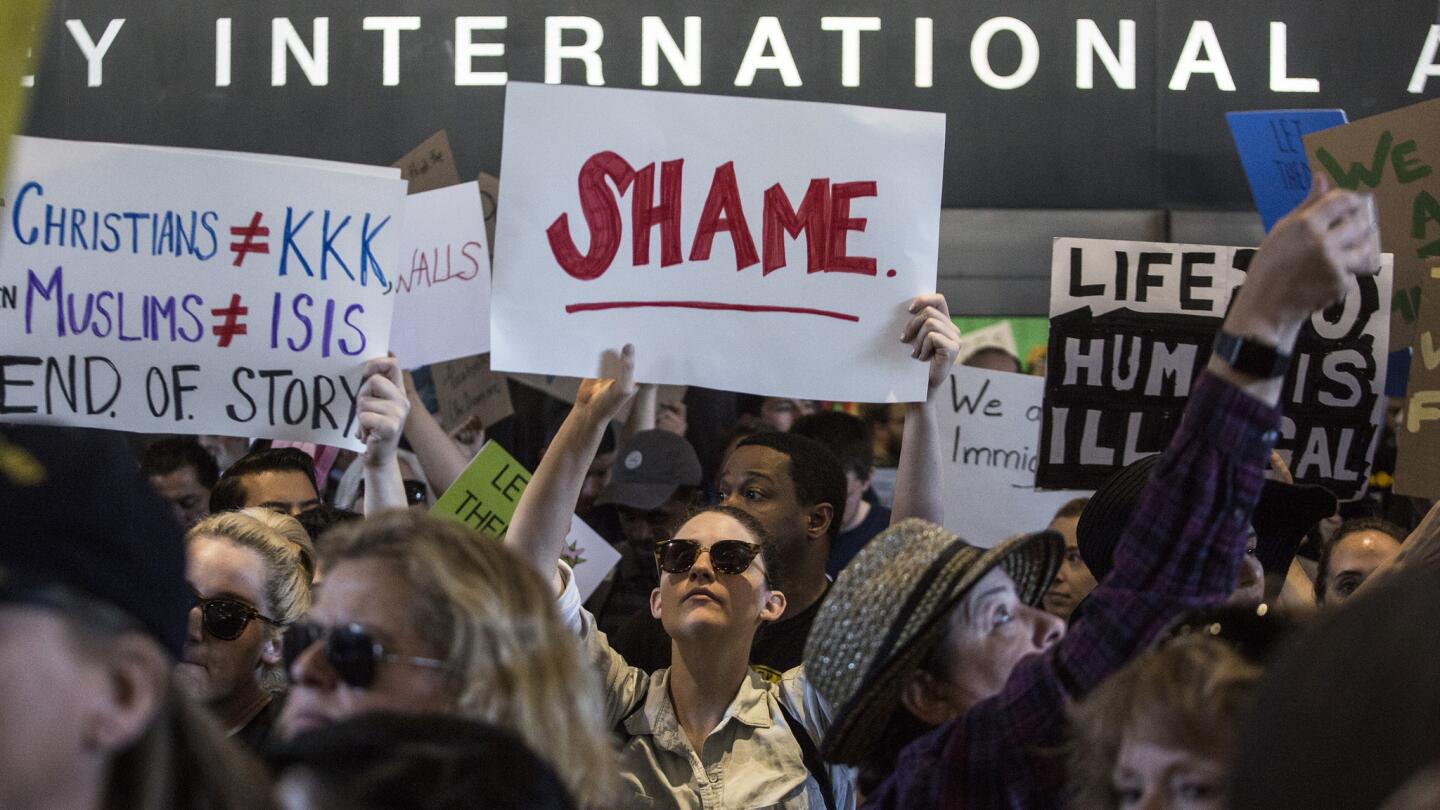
<point x="1272" y="149"/>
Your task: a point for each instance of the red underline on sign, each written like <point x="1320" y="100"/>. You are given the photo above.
<point x="717" y="305"/>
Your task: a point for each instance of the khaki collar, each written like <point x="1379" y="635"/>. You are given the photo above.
<point x="751" y="707"/>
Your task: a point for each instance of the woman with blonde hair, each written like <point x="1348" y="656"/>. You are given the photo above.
<point x="420" y="615"/>
<point x="1161" y="732"/>
<point x="250" y="572"/>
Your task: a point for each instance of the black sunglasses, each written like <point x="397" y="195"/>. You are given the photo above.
<point x="728" y="556"/>
<point x="349" y="649"/>
<point x="226" y="619"/>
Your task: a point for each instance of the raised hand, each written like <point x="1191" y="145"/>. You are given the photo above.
<point x="599" y="400"/>
<point x="381" y="409"/>
<point x="933" y="337"/>
<point x="1305" y="264"/>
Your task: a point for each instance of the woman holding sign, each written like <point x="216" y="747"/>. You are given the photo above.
<point x="707" y="730"/>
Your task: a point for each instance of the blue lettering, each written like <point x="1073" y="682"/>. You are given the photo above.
<point x="309" y="332"/>
<point x="367" y="258"/>
<point x="54" y="225"/>
<point x="25" y="190"/>
<point x="205" y="223"/>
<point x="185" y="304"/>
<point x="327" y="246"/>
<point x="289" y="242"/>
<point x="111" y="246"/>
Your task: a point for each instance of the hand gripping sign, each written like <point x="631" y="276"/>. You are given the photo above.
<point x="743" y="244"/>
<point x="183" y="291"/>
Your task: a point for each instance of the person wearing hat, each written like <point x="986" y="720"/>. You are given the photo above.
<point x="1007" y="682"/>
<point x="654" y="481"/>
<point x="1281" y="519"/>
<point x="93" y="606"/>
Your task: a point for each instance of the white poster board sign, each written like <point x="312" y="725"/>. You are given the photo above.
<point x="442" y="294"/>
<point x="590" y="557"/>
<point x="742" y="244"/>
<point x="175" y="291"/>
<point x="990" y="429"/>
<point x="997" y="335"/>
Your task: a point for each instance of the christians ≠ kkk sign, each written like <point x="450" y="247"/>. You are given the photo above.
<point x="742" y="244"/>
<point x="1130" y="330"/>
<point x="184" y="291"/>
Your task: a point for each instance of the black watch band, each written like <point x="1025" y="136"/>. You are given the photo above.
<point x="1251" y="357"/>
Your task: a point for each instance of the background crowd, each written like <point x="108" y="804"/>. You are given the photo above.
<point x="221" y="623"/>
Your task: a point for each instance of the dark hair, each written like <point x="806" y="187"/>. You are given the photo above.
<point x="319" y="519"/>
<point x="389" y="760"/>
<point x="168" y="455"/>
<point x="814" y="470"/>
<point x="229" y="492"/>
<point x="848" y="437"/>
<point x="993" y="351"/>
<point x="1349" y="527"/>
<point x="769" y="552"/>
<point x="1071" y="509"/>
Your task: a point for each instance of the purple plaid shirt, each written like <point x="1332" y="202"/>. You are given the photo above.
<point x="1181" y="551"/>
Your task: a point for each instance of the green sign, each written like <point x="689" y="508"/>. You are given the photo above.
<point x="485" y="495"/>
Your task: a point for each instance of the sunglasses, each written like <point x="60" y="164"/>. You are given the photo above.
<point x="349" y="649"/>
<point x="727" y="556"/>
<point x="226" y="619"/>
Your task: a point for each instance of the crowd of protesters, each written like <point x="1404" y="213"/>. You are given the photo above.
<point x="223" y="625"/>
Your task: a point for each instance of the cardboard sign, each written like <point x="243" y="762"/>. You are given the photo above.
<point x="484" y="498"/>
<point x="174" y="291"/>
<point x="442" y="301"/>
<point x="991" y="434"/>
<point x="1131" y="325"/>
<point x="1416" y="470"/>
<point x="467" y="387"/>
<point x="430" y="165"/>
<point x="741" y="244"/>
<point x="1393" y="155"/>
<point x="995" y="336"/>
<point x="1272" y="150"/>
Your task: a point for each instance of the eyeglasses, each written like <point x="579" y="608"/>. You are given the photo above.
<point x="349" y="649"/>
<point x="226" y="619"/>
<point x="728" y="556"/>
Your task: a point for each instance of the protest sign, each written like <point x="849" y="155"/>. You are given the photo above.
<point x="1393" y="155"/>
<point x="997" y="335"/>
<point x="489" y="203"/>
<point x="1416" y="470"/>
<point x="1272" y="150"/>
<point x="1130" y="330"/>
<point x="467" y="387"/>
<point x="192" y="292"/>
<point x="702" y="267"/>
<point x="990" y="428"/>
<point x="442" y="297"/>
<point x="484" y="498"/>
<point x="430" y="165"/>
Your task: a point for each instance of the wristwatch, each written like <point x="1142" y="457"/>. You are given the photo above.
<point x="1251" y="357"/>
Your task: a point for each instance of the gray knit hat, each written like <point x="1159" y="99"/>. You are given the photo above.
<point x="887" y="611"/>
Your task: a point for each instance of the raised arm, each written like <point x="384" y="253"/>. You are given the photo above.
<point x="919" y="484"/>
<point x="440" y="458"/>
<point x="381" y="411"/>
<point x="542" y="518"/>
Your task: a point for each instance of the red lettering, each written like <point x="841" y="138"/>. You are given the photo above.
<point x="840" y="222"/>
<point x="602" y="215"/>
<point x="781" y="219"/>
<point x="724" y="198"/>
<point x="666" y="213"/>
